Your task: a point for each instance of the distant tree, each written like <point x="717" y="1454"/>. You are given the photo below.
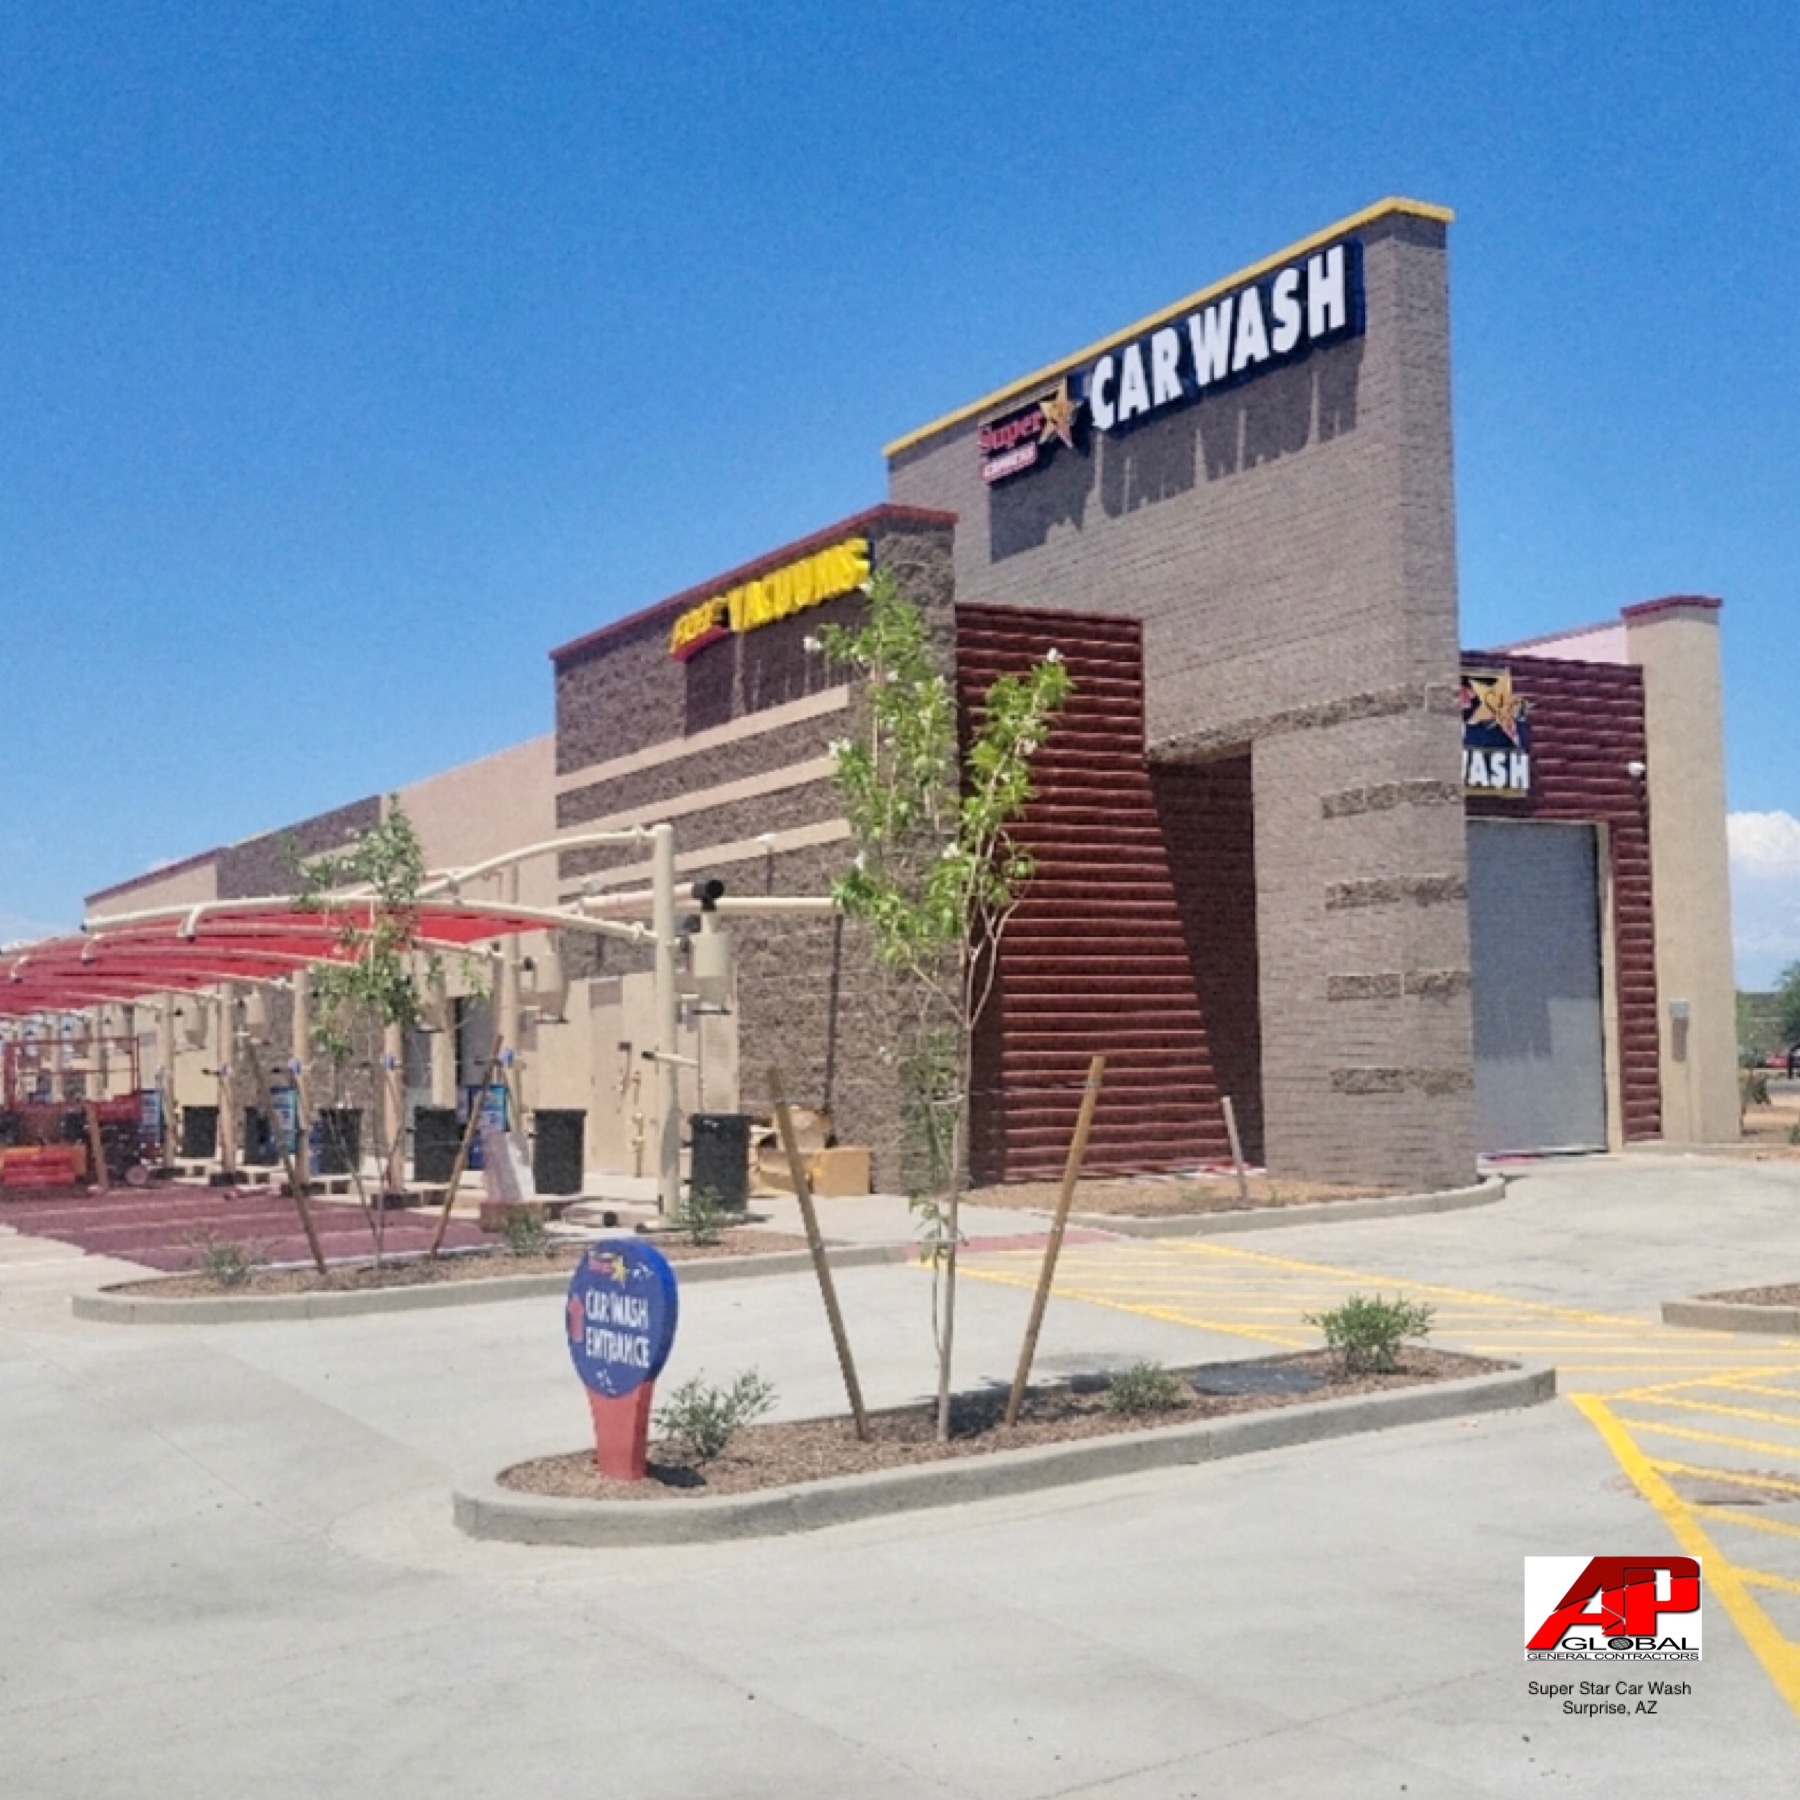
<point x="1787" y="999"/>
<point x="369" y="895"/>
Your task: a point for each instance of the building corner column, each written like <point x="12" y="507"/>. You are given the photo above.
<point x="1675" y="642"/>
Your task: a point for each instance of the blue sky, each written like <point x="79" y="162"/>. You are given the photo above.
<point x="354" y="356"/>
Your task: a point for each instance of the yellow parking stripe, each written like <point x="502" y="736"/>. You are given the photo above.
<point x="1726" y="1439"/>
<point x="1743" y="1477"/>
<point x="1649" y="1397"/>
<point x="1779" y="1658"/>
<point x="1729" y="1515"/>
<point x="1782" y="1584"/>
<point x="1263" y="1298"/>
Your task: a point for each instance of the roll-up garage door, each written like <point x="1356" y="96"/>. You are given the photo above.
<point x="1534" y="926"/>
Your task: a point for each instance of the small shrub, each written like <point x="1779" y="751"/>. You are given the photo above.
<point x="225" y="1262"/>
<point x="1794" y="1134"/>
<point x="525" y="1234"/>
<point x="701" y="1419"/>
<point x="1366" y="1332"/>
<point x="1145" y="1387"/>
<point x="703" y="1216"/>
<point x="1755" y="1084"/>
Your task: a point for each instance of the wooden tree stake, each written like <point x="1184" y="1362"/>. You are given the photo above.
<point x="296" y="1179"/>
<point x="1237" y="1149"/>
<point x="462" y="1150"/>
<point x="1071" y="1174"/>
<point x="816" y="1244"/>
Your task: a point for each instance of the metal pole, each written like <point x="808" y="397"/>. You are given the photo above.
<point x="165" y="1074"/>
<point x="510" y="999"/>
<point x="301" y="1173"/>
<point x="668" y="1093"/>
<point x="228" y="1137"/>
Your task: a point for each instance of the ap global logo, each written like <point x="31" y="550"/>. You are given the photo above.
<point x="1612" y="1609"/>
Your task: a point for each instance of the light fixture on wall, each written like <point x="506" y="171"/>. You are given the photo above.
<point x="708" y="977"/>
<point x="548" y="988"/>
<point x="1635" y="770"/>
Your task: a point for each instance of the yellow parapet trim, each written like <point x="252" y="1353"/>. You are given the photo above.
<point x="1419" y="209"/>
<point x="825" y="575"/>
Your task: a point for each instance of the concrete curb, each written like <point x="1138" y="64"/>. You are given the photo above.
<point x="1274" y="1218"/>
<point x="1732" y="1315"/>
<point x="111" y="1308"/>
<point x="483" y="1509"/>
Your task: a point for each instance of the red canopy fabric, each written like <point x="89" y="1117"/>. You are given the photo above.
<point x="198" y="947"/>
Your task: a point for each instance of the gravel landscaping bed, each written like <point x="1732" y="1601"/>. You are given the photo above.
<point x="473" y="1265"/>
<point x="780" y="1454"/>
<point x="1167" y="1196"/>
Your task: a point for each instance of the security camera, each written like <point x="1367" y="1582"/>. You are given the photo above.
<point x="1635" y="770"/>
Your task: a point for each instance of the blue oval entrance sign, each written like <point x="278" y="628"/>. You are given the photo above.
<point x="621" y="1316"/>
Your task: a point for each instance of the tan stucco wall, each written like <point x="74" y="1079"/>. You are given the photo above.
<point x="1676" y="643"/>
<point x="497" y="803"/>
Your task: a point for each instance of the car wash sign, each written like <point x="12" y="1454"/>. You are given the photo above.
<point x="620" y="1316"/>
<point x="1261" y="325"/>
<point x="1496" y="735"/>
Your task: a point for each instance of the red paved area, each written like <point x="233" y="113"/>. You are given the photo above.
<point x="1036" y="1240"/>
<point x="159" y="1226"/>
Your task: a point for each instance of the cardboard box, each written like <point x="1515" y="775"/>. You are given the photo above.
<point x="834" y="1174"/>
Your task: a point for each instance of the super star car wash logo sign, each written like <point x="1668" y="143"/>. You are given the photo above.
<point x="1022" y="439"/>
<point x="1216" y="342"/>
<point x="1496" y="735"/>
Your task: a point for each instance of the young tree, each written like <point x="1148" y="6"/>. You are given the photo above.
<point x="937" y="876"/>
<point x="370" y="894"/>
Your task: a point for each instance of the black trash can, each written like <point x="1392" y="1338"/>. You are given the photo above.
<point x="437" y="1134"/>
<point x="340" y="1140"/>
<point x="557" y="1147"/>
<point x="199" y="1133"/>
<point x="721" y="1161"/>
<point x="260" y="1148"/>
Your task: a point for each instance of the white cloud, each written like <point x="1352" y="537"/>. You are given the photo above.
<point x="1764" y="845"/>
<point x="1765" y="894"/>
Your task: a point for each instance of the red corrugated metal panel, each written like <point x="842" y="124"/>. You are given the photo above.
<point x="1102" y="956"/>
<point x="1587" y="725"/>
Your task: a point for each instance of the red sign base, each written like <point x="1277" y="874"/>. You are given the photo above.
<point x="621" y="1432"/>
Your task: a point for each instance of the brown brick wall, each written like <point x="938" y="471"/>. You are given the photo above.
<point x="1135" y="938"/>
<point x="264" y="865"/>
<point x="811" y="1000"/>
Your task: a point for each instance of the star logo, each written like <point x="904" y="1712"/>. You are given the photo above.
<point x="1059" y="409"/>
<point x="1490" y="700"/>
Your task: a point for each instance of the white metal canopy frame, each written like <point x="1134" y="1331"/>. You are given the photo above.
<point x="143" y="956"/>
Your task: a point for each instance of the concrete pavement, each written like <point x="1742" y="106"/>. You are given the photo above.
<point x="228" y="1559"/>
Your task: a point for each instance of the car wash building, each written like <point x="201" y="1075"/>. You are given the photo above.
<point x="1400" y="901"/>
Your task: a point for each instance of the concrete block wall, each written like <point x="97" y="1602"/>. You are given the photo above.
<point x="1290" y="548"/>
